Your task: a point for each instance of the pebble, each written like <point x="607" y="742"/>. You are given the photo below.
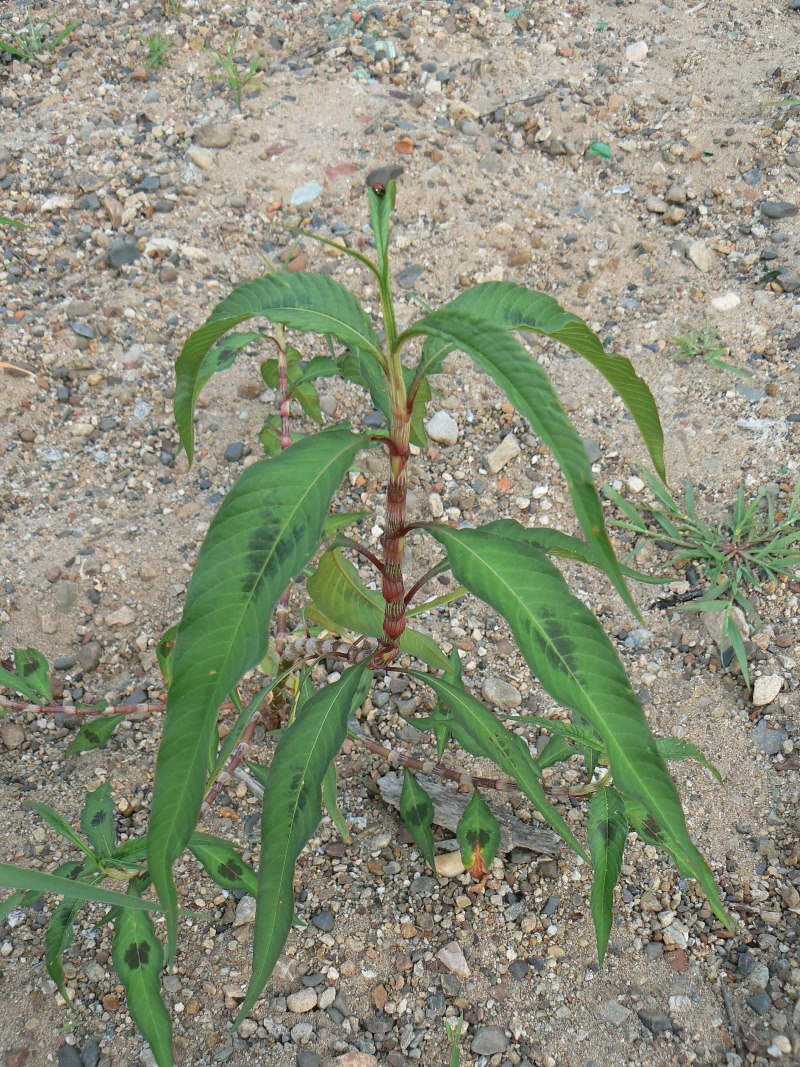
<point x="761" y="1003"/>
<point x="788" y="280"/>
<point x="356" y="1059"/>
<point x="90" y="1054"/>
<point x="89" y="656"/>
<point x="655" y="1021"/>
<point x="778" y="209"/>
<point x="212" y="135"/>
<point x="124" y="616"/>
<point x="305" y="194"/>
<point x="507" y="450"/>
<point x="501" y="694"/>
<point x="68" y="1056"/>
<point x="308" y="1059"/>
<point x="766" y="688"/>
<point x="614" y="1013"/>
<point x="726" y="302"/>
<point x="452" y="956"/>
<point x="442" y="428"/>
<point x="769" y="741"/>
<point x="245" y="911"/>
<point x="324" y="920"/>
<point x="701" y="255"/>
<point x="11" y="734"/>
<point x="302" y="1001"/>
<point x="234" y="451"/>
<point x="203" y="158"/>
<point x="122" y="253"/>
<point x="636" y="52"/>
<point x="489" y="1041"/>
<point x="409" y="276"/>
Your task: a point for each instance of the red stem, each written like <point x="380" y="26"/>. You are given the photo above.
<point x="282" y="610"/>
<point x="394" y="617"/>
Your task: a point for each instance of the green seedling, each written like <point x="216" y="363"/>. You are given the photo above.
<point x="706" y="344"/>
<point x="34" y="45"/>
<point x="157" y="51"/>
<point x="240" y="76"/>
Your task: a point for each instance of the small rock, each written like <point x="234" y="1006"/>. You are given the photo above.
<point x="655" y="1021"/>
<point x="766" y="689"/>
<point x="501" y="694"/>
<point x="635" y="484"/>
<point x="442" y="428"/>
<point x="90" y="1055"/>
<point x="89" y="656"/>
<point x="676" y="194"/>
<point x="778" y="209"/>
<point x="769" y="741"/>
<point x="245" y="911"/>
<point x="234" y="452"/>
<point x="409" y="276"/>
<point x="701" y="255"/>
<point x="761" y="1003"/>
<point x="68" y="1056"/>
<point x="203" y="158"/>
<point x="726" y="302"/>
<point x="12" y="734"/>
<point x="133" y="356"/>
<point x="56" y="203"/>
<point x="435" y="505"/>
<point x="305" y="194"/>
<point x="213" y="136"/>
<point x="302" y="1001"/>
<point x="453" y="959"/>
<point x="124" y="616"/>
<point x="328" y="405"/>
<point x="637" y="52"/>
<point x="238" y="201"/>
<point x="122" y="254"/>
<point x="489" y="1040"/>
<point x="324" y="920"/>
<point x="507" y="450"/>
<point x="614" y="1013"/>
<point x="450" y="865"/>
<point x="789" y="281"/>
<point x="308" y="1059"/>
<point x="356" y="1059"/>
<point x="655" y="205"/>
<point x="676" y="935"/>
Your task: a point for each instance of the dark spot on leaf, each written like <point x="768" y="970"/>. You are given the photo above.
<point x="419" y="814"/>
<point x="231" y="869"/>
<point x="478" y="839"/>
<point x="90" y="735"/>
<point x="137" y="955"/>
<point x="29" y="667"/>
<point x="267" y="552"/>
<point x="98" y="818"/>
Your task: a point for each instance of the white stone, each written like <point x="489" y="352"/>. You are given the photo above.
<point x="766" y="688"/>
<point x="636" y="485"/>
<point x="507" y="450"/>
<point x="701" y="255"/>
<point x="454" y="960"/>
<point x="302" y="1001"/>
<point x="442" y="428"/>
<point x="450" y="865"/>
<point x="245" y="911"/>
<point x="124" y="616"/>
<point x="614" y="1013"/>
<point x="435" y="505"/>
<point x="327" y="997"/>
<point x="203" y="158"/>
<point x="726" y="302"/>
<point x="676" y="935"/>
<point x="637" y="52"/>
<point x="56" y="203"/>
<point x="501" y="694"/>
<point x="679" y="1003"/>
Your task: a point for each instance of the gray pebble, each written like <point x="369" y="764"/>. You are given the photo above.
<point x="122" y="253"/>
<point x="91" y="1054"/>
<point x="500" y="693"/>
<point x="305" y="194"/>
<point x="489" y="1040"/>
<point x="655" y="1021"/>
<point x="308" y="1059"/>
<point x="777" y="209"/>
<point x="324" y="920"/>
<point x="653" y="951"/>
<point x="788" y="280"/>
<point x="68" y="1056"/>
<point x="760" y="1003"/>
<point x="614" y="1013"/>
<point x="409" y="276"/>
<point x="234" y="452"/>
<point x="212" y="135"/>
<point x="769" y="741"/>
<point x="519" y="969"/>
<point x="89" y="656"/>
<point x="442" y="428"/>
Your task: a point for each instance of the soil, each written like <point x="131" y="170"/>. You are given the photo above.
<point x="653" y="191"/>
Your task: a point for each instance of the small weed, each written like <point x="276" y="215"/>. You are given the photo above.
<point x="706" y="344"/>
<point x="753" y="545"/>
<point x="238" y="77"/>
<point x="157" y="49"/>
<point x="33" y="46"/>
<point x="454" y="1036"/>
<point x="172" y="8"/>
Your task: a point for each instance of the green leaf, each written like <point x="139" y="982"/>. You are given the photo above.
<point x="12" y="877"/>
<point x="223" y="863"/>
<point x="138" y="959"/>
<point x="381" y="208"/>
<point x="97" y="821"/>
<point x="676" y="749"/>
<point x="29" y="678"/>
<point x="222" y="356"/>
<point x="164" y="651"/>
<point x="58" y="938"/>
<point x="330" y="802"/>
<point x="308" y="302"/>
<point x="564" y="546"/>
<point x="532" y="393"/>
<point x="341" y="596"/>
<point x="608" y="833"/>
<point x="416" y="811"/>
<point x="479" y="732"/>
<point x="556" y="751"/>
<point x="59" y="824"/>
<point x="570" y="654"/>
<point x="292" y="811"/>
<point x="3" y="220"/>
<point x="94" y="734"/>
<point x="266" y="530"/>
<point x="513" y="307"/>
<point x="478" y="834"/>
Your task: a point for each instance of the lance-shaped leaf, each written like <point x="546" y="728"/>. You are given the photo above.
<point x="676" y="749"/>
<point x="97" y="821"/>
<point x="330" y="800"/>
<point x="568" y="651"/>
<point x="292" y="811"/>
<point x="265" y="532"/>
<point x="58" y="938"/>
<point x="513" y="307"/>
<point x="138" y="959"/>
<point x="222" y="357"/>
<point x="311" y="303"/>
<point x="12" y="877"/>
<point x="30" y="678"/>
<point x="223" y="863"/>
<point x="478" y="835"/>
<point x="416" y="811"/>
<point x="530" y="390"/>
<point x="479" y="732"/>
<point x="94" y="734"/>
<point x="344" y="600"/>
<point x="59" y="824"/>
<point x="608" y="832"/>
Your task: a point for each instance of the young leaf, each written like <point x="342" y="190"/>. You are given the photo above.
<point x="94" y="734"/>
<point x="265" y="532"/>
<point x="416" y="811"/>
<point x="29" y="678"/>
<point x="532" y="393"/>
<point x="608" y="832"/>
<point x="569" y="652"/>
<point x="222" y="356"/>
<point x="555" y="751"/>
<point x="59" y="824"/>
<point x="479" y="732"/>
<point x="513" y="307"/>
<point x="138" y="959"/>
<point x="222" y="863"/>
<point x="292" y="811"/>
<point x="330" y="802"/>
<point x="58" y="938"/>
<point x="478" y="834"/>
<point x="97" y="821"/>
<point x="307" y="302"/>
<point x="12" y="877"/>
<point x="676" y="749"/>
<point x="343" y="599"/>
